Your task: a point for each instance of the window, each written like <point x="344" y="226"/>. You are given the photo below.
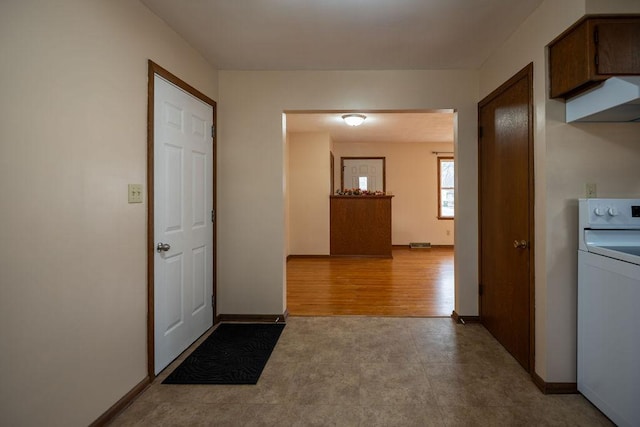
<point x="445" y="188"/>
<point x="362" y="181"/>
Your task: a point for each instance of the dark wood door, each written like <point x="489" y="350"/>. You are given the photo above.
<point x="506" y="215"/>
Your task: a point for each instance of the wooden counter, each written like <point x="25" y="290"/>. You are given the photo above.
<point x="361" y="225"/>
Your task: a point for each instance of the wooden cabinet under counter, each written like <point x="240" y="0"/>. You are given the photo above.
<point x="361" y="226"/>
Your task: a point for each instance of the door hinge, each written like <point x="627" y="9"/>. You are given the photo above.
<point x="479" y="289"/>
<point x="596" y="39"/>
<point x="213" y="131"/>
<point x="213" y="215"/>
<point x="211" y="300"/>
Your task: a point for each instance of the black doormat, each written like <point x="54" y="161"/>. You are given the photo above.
<point x="235" y="353"/>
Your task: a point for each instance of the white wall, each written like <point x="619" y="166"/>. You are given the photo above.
<point x="566" y="157"/>
<point x="252" y="205"/>
<point x="411" y="174"/>
<point x="309" y="189"/>
<point x="73" y="273"/>
<point x="412" y="177"/>
<point x="611" y="6"/>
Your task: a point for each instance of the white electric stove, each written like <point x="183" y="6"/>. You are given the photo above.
<point x="608" y="307"/>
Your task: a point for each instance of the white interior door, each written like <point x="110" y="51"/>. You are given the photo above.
<point x="183" y="204"/>
<point x="365" y="174"/>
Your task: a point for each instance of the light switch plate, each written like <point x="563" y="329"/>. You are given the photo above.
<point x="590" y="190"/>
<point x="135" y="193"/>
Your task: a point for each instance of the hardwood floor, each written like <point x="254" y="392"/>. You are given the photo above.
<point x="415" y="283"/>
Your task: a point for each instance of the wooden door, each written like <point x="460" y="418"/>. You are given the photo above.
<point x="506" y="215"/>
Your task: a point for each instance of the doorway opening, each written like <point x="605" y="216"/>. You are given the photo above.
<point x="409" y="142"/>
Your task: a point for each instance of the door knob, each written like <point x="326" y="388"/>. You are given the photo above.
<point x="163" y="247"/>
<point x="520" y="244"/>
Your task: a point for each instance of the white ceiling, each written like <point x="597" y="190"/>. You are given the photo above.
<point x="378" y="126"/>
<point x="349" y="35"/>
<point x="344" y="34"/>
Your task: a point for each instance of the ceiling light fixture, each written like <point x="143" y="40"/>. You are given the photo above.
<point x="354" y="119"/>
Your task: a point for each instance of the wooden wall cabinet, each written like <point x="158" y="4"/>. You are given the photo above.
<point x="361" y="226"/>
<point x="593" y="50"/>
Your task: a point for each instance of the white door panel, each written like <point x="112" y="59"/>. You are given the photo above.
<point x="171" y="299"/>
<point x="198" y="188"/>
<point x="172" y="173"/>
<point x="183" y="195"/>
<point x="199" y="279"/>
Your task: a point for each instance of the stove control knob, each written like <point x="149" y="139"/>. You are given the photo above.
<point x="598" y="211"/>
<point x="613" y="211"/>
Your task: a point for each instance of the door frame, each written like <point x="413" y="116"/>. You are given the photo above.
<point x="526" y="72"/>
<point x="152" y="70"/>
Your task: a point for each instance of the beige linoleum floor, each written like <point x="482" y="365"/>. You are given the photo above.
<point x="368" y="371"/>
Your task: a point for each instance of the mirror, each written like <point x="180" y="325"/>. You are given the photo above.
<point x="365" y="173"/>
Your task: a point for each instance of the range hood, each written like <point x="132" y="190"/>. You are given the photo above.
<point x="615" y="100"/>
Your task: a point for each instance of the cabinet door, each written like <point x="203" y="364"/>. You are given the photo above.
<point x="618" y="48"/>
<point x="570" y="61"/>
<point x="591" y="51"/>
